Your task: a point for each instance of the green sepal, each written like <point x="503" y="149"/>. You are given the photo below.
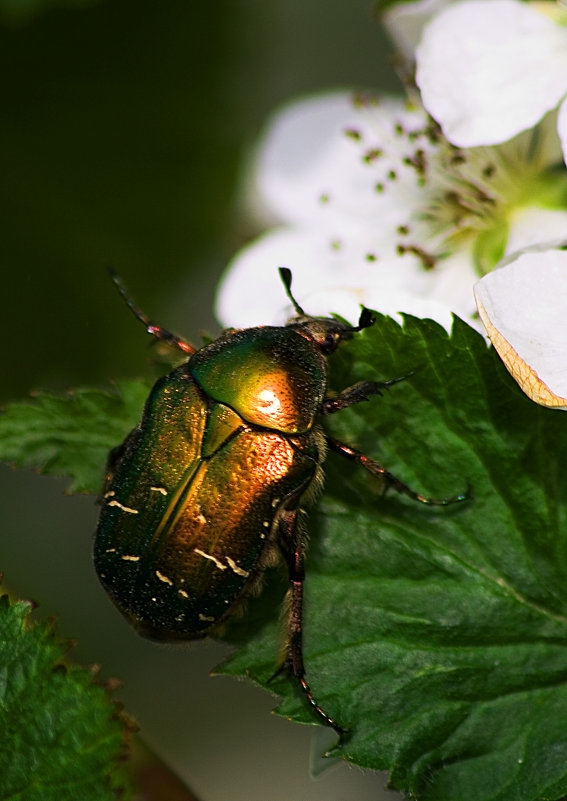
<point x="489" y="247"/>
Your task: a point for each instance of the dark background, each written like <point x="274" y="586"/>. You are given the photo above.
<point x="123" y="129"/>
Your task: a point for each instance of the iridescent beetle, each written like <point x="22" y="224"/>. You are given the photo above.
<point x="209" y="486"/>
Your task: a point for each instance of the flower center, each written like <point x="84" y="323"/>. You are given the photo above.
<point x="441" y="198"/>
<point x="473" y="192"/>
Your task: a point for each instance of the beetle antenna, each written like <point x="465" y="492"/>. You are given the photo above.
<point x="366" y="319"/>
<point x="136" y="311"/>
<point x="285" y="275"/>
<point x="151" y="328"/>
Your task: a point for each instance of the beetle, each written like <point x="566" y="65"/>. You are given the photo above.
<point x="208" y="489"/>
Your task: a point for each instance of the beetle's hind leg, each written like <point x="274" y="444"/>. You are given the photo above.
<point x="292" y="546"/>
<point x="390" y="480"/>
<point x="362" y="391"/>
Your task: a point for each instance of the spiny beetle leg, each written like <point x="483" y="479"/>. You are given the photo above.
<point x="293" y="549"/>
<point x="153" y="329"/>
<point x="389" y="479"/>
<point x="358" y="393"/>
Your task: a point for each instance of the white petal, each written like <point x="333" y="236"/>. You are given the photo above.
<point x="325" y="280"/>
<point x="531" y="226"/>
<point x="524" y="309"/>
<point x="251" y="292"/>
<point x="490" y="69"/>
<point x="388" y="300"/>
<point x="310" y="171"/>
<point x="562" y="128"/>
<point x="451" y="283"/>
<point x="405" y="22"/>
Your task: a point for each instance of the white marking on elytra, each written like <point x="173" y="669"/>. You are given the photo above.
<point x="163" y="578"/>
<point x="159" y="489"/>
<point x="124" y="508"/>
<point x="218" y="563"/>
<point x="131" y="558"/>
<point x="234" y="567"/>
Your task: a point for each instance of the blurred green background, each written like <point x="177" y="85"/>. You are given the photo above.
<point x="124" y="129"/>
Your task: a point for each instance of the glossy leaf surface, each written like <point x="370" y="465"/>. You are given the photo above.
<point x="437" y="635"/>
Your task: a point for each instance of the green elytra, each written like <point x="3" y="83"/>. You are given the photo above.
<point x="202" y="488"/>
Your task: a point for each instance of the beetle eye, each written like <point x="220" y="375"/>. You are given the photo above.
<point x="329" y="344"/>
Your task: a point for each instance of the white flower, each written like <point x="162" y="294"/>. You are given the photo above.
<point x="345" y="177"/>
<point x="376" y="208"/>
<point x="489" y="69"/>
<point x="523" y="306"/>
<point x="405" y="22"/>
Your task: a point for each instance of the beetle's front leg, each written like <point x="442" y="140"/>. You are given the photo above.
<point x="293" y="549"/>
<point x="390" y="480"/>
<point x="358" y="393"/>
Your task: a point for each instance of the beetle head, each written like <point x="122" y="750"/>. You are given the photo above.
<point x="324" y="332"/>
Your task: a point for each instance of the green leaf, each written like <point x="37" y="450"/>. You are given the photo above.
<point x="71" y="435"/>
<point x="62" y="737"/>
<point x="436" y="635"/>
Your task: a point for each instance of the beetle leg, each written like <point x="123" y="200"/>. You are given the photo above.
<point x="151" y="328"/>
<point x="389" y="479"/>
<point x="361" y="391"/>
<point x="293" y="549"/>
